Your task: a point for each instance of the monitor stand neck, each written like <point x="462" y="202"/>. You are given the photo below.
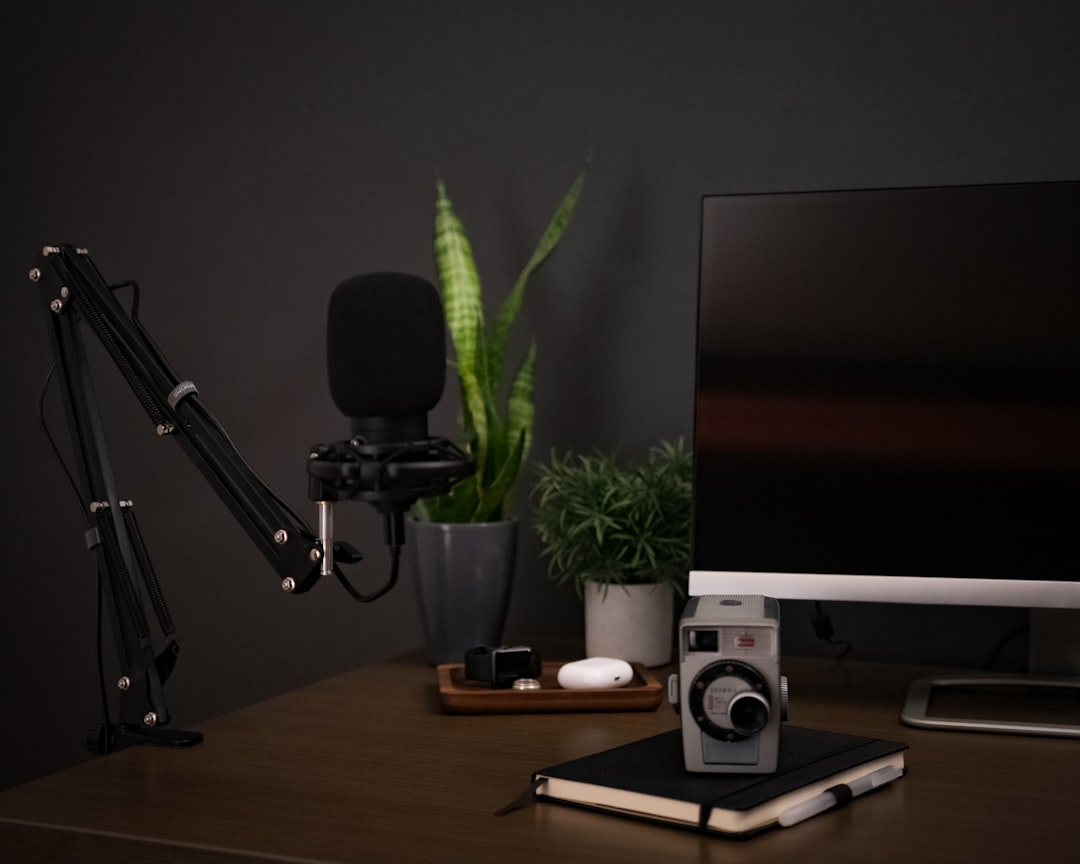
<point x="1054" y="642"/>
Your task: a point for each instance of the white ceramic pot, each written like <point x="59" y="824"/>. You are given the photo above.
<point x="630" y="622"/>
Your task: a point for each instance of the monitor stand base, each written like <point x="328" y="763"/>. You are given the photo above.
<point x="1015" y="704"/>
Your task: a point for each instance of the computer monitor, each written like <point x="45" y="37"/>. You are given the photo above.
<point x="887" y="405"/>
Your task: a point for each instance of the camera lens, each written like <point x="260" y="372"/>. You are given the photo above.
<point x="729" y="700"/>
<point x="748" y="713"/>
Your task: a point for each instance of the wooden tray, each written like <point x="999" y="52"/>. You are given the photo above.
<point x="462" y="696"/>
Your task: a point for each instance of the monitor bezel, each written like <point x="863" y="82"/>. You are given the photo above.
<point x="936" y="590"/>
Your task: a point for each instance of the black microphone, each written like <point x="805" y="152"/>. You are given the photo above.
<point x="385" y="354"/>
<point x="386" y="366"/>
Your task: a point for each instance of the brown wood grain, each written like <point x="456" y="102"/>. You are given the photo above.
<point x="367" y="767"/>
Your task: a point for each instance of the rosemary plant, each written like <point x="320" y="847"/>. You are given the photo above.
<point x="604" y="519"/>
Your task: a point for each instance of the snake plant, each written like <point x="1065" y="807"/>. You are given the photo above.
<point x="497" y="430"/>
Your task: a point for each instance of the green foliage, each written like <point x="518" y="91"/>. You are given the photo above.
<point x="497" y="434"/>
<point x="608" y="520"/>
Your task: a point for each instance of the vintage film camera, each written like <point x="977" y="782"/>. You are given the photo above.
<point x="729" y="690"/>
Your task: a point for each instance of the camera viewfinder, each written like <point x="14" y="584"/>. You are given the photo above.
<point x="703" y="640"/>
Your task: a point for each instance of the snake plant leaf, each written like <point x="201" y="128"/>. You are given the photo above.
<point x="509" y="446"/>
<point x="458" y="279"/>
<point x="459" y="286"/>
<point x="456" y="506"/>
<point x="554" y="232"/>
<point x="520" y="406"/>
<point x="491" y="505"/>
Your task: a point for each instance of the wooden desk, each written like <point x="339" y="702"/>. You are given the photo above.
<point x="366" y="768"/>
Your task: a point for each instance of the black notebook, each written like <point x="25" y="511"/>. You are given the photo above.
<point x="647" y="780"/>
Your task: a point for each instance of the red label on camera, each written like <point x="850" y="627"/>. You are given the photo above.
<point x="744" y="641"/>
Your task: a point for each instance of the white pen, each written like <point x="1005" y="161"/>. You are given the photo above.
<point x="829" y="799"/>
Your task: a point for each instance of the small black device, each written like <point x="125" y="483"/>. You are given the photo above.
<point x="729" y="689"/>
<point x="503" y="665"/>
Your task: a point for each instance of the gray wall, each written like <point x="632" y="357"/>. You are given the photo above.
<point x="241" y="158"/>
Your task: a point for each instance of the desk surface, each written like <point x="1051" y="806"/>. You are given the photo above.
<point x="366" y="767"/>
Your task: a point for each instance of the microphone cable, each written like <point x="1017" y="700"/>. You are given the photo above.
<point x="395" y="564"/>
<point x="823" y="629"/>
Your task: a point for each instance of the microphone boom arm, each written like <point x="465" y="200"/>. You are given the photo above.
<point x="173" y="405"/>
<point x="75" y="293"/>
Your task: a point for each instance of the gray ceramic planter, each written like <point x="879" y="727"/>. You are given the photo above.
<point x="464" y="573"/>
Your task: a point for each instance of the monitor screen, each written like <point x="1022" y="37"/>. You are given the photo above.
<point x="888" y="385"/>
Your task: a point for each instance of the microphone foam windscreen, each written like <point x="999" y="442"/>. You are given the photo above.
<point x="385" y="346"/>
